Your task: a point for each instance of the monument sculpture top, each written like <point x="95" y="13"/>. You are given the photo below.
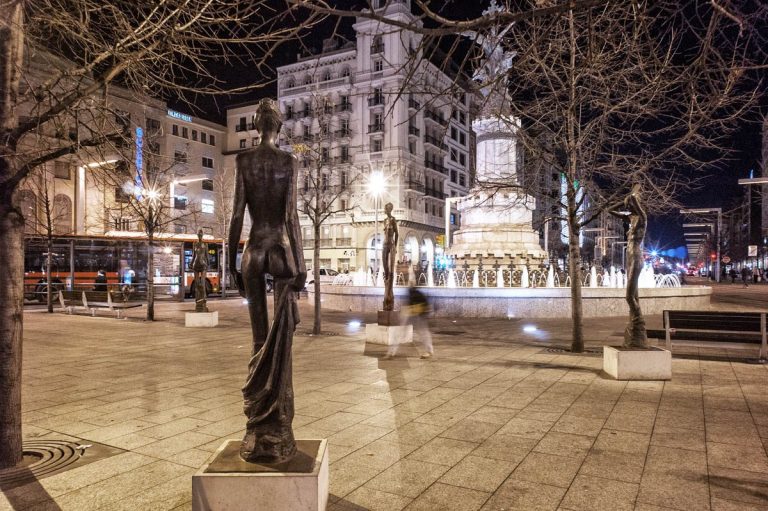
<point x="492" y="75"/>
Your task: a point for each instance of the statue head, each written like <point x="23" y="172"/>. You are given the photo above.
<point x="200" y="235"/>
<point x="388" y="208"/>
<point x="267" y="118"/>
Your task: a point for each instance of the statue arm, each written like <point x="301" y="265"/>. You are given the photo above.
<point x="294" y="228"/>
<point x="236" y="224"/>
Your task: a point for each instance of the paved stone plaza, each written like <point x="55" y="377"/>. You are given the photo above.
<point x="496" y="421"/>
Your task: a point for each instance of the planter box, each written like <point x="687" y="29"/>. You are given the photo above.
<point x="633" y="364"/>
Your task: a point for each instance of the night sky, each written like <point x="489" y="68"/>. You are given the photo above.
<point x="718" y="188"/>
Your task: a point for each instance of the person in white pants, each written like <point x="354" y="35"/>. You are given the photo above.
<point x="416" y="314"/>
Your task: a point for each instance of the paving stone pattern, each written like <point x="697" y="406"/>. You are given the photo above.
<point x="493" y="422"/>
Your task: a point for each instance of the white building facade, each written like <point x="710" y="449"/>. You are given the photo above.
<point x="358" y="109"/>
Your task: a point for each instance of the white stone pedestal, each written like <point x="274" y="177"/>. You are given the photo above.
<point x="201" y="319"/>
<point x="230" y="484"/>
<point x="388" y="334"/>
<point x="628" y="364"/>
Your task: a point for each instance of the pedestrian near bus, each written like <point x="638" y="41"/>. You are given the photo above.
<point x="745" y="275"/>
<point x="416" y="314"/>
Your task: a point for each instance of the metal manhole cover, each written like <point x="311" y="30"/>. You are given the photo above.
<point x="47" y="457"/>
<point x="450" y="332"/>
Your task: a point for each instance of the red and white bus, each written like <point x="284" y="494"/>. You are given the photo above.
<point x="77" y="259"/>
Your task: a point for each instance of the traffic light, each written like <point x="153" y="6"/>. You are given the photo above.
<point x="713" y="256"/>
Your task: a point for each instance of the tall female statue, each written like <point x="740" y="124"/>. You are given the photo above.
<point x="631" y="209"/>
<point x="200" y="267"/>
<point x="389" y="256"/>
<point x="265" y="181"/>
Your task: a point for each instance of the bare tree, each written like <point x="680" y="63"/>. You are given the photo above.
<point x="48" y="218"/>
<point x="144" y="46"/>
<point x="224" y="193"/>
<point x="324" y="183"/>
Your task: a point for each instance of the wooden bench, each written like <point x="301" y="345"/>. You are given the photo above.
<point x="715" y="326"/>
<point x="90" y="301"/>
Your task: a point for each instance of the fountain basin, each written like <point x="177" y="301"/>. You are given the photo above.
<point x="492" y="302"/>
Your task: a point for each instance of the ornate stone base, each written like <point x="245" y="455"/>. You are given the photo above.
<point x="388" y="334"/>
<point x="201" y="319"/>
<point x="230" y="484"/>
<point x="632" y="364"/>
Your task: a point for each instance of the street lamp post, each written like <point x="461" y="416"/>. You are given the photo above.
<point x="704" y="211"/>
<point x="375" y="188"/>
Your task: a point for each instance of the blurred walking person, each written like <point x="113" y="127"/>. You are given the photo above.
<point x="416" y="314"/>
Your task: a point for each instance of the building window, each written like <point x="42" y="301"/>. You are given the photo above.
<point x="241" y="124"/>
<point x="324" y="154"/>
<point x="62" y="214"/>
<point x="345" y="154"/>
<point x="378" y="65"/>
<point x="463" y="159"/>
<point x="194" y="135"/>
<point x="203" y="137"/>
<point x="207" y="206"/>
<point x="308" y="80"/>
<point x="288" y="111"/>
<point x="454" y="156"/>
<point x="454" y="133"/>
<point x="207" y="162"/>
<point x="345" y="71"/>
<point x="242" y="143"/>
<point x="462" y="181"/>
<point x="179" y="157"/>
<point x="121" y="196"/>
<point x="463" y="138"/>
<point x="61" y="170"/>
<point x="426" y="207"/>
<point x="255" y="141"/>
<point x="306" y="183"/>
<point x="453" y="176"/>
<point x="212" y="140"/>
<point x="184" y="132"/>
<point x="376" y="145"/>
<point x="180" y="202"/>
<point x="344" y="179"/>
<point x="343" y="204"/>
<point x="412" y="146"/>
<point x="326" y="75"/>
<point x="208" y="185"/>
<point x="175" y="129"/>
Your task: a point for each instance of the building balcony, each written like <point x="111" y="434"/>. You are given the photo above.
<point x="343" y="242"/>
<point x="376" y="101"/>
<point x="435" y="117"/>
<point x="431" y="192"/>
<point x="376" y="128"/>
<point x="342" y="159"/>
<point x="435" y="142"/>
<point x="435" y="166"/>
<point x="413" y="130"/>
<point x="241" y="127"/>
<point x="414" y="185"/>
<point x="343" y="107"/>
<point x="343" y="133"/>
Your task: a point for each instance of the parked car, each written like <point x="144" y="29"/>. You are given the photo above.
<point x="326" y="276"/>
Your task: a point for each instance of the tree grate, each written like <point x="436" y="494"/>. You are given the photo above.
<point x="567" y="351"/>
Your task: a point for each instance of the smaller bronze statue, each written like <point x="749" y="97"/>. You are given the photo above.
<point x="389" y="256"/>
<point x="200" y="267"/>
<point x="630" y="208"/>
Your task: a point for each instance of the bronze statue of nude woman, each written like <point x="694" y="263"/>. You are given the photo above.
<point x="265" y="182"/>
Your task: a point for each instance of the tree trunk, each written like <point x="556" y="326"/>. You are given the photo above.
<point x="48" y="279"/>
<point x="574" y="272"/>
<point x="11" y="309"/>
<point x="317" y="324"/>
<point x="151" y="279"/>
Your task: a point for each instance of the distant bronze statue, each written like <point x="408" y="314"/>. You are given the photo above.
<point x="631" y="209"/>
<point x="389" y="256"/>
<point x="266" y="182"/>
<point x="200" y="267"/>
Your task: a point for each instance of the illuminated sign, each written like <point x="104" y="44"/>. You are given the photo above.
<point x="139" y="183"/>
<point x="179" y="115"/>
